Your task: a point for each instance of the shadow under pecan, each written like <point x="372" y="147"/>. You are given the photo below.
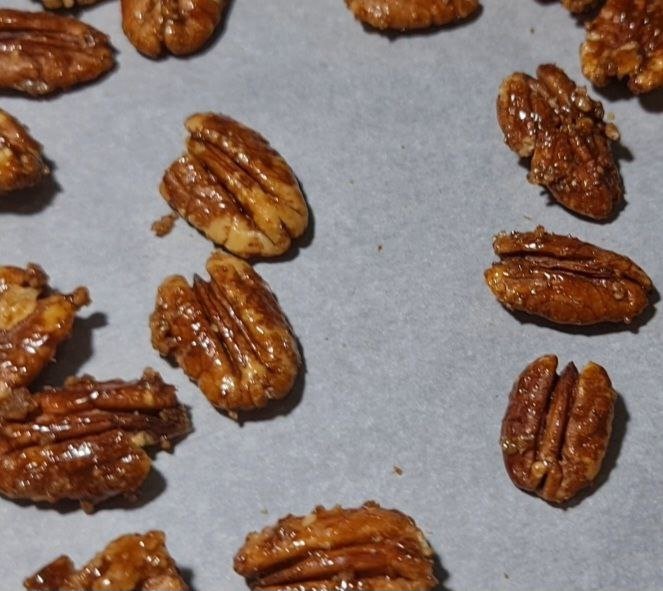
<point x="402" y="15"/>
<point x="42" y="52"/>
<point x="33" y="322"/>
<point x="21" y="163"/>
<point x="133" y="562"/>
<point x="227" y="334"/>
<point x="369" y="548"/>
<point x="566" y="280"/>
<point x="235" y="188"/>
<point x="562" y="129"/>
<point x="556" y="429"/>
<point x="85" y="441"/>
<point x="626" y="41"/>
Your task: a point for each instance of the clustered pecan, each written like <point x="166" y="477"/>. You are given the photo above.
<point x="133" y="562"/>
<point x="566" y="280"/>
<point x="369" y="549"/>
<point x="556" y="429"/>
<point x="42" y="53"/>
<point x="411" y="14"/>
<point x="626" y="41"/>
<point x="235" y="188"/>
<point x="562" y="129"/>
<point x="228" y="334"/>
<point x="21" y="163"/>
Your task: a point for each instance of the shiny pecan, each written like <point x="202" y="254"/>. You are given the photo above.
<point x="33" y="322"/>
<point x="67" y="4"/>
<point x="235" y="188"/>
<point x="84" y="441"/>
<point x="556" y="429"/>
<point x="42" y="52"/>
<point x="626" y="41"/>
<point x="155" y="27"/>
<point x="21" y="163"/>
<point x="370" y="549"/>
<point x="405" y="15"/>
<point x="133" y="562"/>
<point x="228" y="334"/>
<point x="562" y="129"/>
<point x="566" y="280"/>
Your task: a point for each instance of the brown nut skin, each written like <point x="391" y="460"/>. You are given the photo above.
<point x="565" y="280"/>
<point x="369" y="548"/>
<point x="21" y="163"/>
<point x="625" y="41"/>
<point x="556" y="429"/>
<point x="235" y="188"/>
<point x="43" y="53"/>
<point x="403" y="15"/>
<point x="133" y="562"/>
<point x="228" y="334"/>
<point x="561" y="128"/>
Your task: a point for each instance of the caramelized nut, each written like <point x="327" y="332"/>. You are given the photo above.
<point x="405" y="15"/>
<point x="66" y="4"/>
<point x="21" y="164"/>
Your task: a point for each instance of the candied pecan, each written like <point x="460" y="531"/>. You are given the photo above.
<point x="235" y="188"/>
<point x="562" y="129"/>
<point x="566" y="280"/>
<point x="21" y="164"/>
<point x="369" y="548"/>
<point x="84" y="441"/>
<point x="32" y="322"/>
<point x="42" y="53"/>
<point x="405" y="15"/>
<point x="58" y="4"/>
<point x="228" y="334"/>
<point x="133" y="562"/>
<point x="182" y="28"/>
<point x="556" y="429"/>
<point x="626" y="41"/>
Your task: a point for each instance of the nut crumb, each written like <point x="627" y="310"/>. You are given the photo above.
<point x="398" y="471"/>
<point x="164" y="225"/>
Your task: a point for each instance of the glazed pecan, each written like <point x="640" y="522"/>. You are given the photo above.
<point x="626" y="41"/>
<point x="155" y="27"/>
<point x="370" y="549"/>
<point x="557" y="428"/>
<point x="21" y="164"/>
<point x="134" y="562"/>
<point x="58" y="4"/>
<point x="42" y="52"/>
<point x="84" y="441"/>
<point x="405" y="15"/>
<point x="235" y="188"/>
<point x="562" y="129"/>
<point x="33" y="322"/>
<point x="228" y="334"/>
<point x="566" y="280"/>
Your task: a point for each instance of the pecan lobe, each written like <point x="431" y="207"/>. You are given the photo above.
<point x="411" y="14"/>
<point x="227" y="334"/>
<point x="556" y="429"/>
<point x="565" y="280"/>
<point x="21" y="163"/>
<point x="368" y="548"/>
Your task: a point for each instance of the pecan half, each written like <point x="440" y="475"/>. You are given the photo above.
<point x="626" y="41"/>
<point x="155" y="27"/>
<point x="556" y="429"/>
<point x="405" y="15"/>
<point x="21" y="163"/>
<point x="228" y="334"/>
<point x="235" y="188"/>
<point x="67" y="4"/>
<point x="566" y="280"/>
<point x="562" y="129"/>
<point x="84" y="441"/>
<point x="134" y="562"/>
<point x="369" y="548"/>
<point x="42" y="52"/>
<point x="32" y="322"/>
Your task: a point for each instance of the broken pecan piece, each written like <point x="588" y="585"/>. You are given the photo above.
<point x="566" y="280"/>
<point x="227" y="334"/>
<point x="84" y="441"/>
<point x="562" y="129"/>
<point x="42" y="52"/>
<point x="405" y="15"/>
<point x="133" y="562"/>
<point x="235" y="188"/>
<point x="578" y="6"/>
<point x="556" y="429"/>
<point x="21" y="163"/>
<point x="626" y="41"/>
<point x="369" y="548"/>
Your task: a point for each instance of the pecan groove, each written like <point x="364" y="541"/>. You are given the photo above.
<point x="21" y="163"/>
<point x="405" y="15"/>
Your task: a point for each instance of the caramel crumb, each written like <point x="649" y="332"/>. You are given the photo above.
<point x="164" y="225"/>
<point x="398" y="471"/>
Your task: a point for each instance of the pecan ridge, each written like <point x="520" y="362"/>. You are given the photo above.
<point x="21" y="163"/>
